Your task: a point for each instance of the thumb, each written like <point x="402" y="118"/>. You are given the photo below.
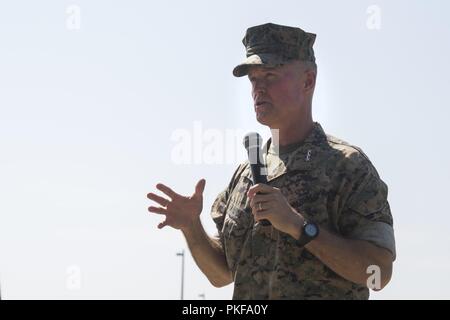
<point x="162" y="224"/>
<point x="200" y="187"/>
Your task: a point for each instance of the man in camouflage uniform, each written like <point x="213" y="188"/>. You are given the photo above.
<point x="313" y="179"/>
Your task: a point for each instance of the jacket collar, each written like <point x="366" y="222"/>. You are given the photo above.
<point x="305" y="157"/>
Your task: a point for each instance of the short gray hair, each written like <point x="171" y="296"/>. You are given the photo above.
<point x="310" y="65"/>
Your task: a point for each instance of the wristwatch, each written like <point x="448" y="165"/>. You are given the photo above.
<point x="310" y="231"/>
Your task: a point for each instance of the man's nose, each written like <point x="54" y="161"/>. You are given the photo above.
<point x="259" y="87"/>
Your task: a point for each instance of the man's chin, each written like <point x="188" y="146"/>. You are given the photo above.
<point x="263" y="119"/>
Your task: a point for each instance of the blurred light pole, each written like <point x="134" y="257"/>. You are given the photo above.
<point x="182" y="271"/>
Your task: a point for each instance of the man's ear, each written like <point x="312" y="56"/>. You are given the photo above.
<point x="310" y="80"/>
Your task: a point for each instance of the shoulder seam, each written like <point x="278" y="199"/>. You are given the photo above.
<point x="344" y="143"/>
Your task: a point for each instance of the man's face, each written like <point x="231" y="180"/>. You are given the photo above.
<point x="279" y="93"/>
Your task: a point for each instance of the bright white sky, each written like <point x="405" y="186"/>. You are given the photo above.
<point x="87" y="119"/>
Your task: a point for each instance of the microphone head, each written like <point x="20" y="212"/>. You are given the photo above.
<point x="252" y="140"/>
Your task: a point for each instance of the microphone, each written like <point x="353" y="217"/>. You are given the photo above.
<point x="252" y="143"/>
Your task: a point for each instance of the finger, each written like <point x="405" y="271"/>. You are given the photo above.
<point x="162" y="224"/>
<point x="200" y="187"/>
<point x="160" y="200"/>
<point x="261" y="198"/>
<point x="158" y="210"/>
<point x="260" y="187"/>
<point x="261" y="207"/>
<point x="172" y="194"/>
<point x="262" y="215"/>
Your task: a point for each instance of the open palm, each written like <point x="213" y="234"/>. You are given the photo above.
<point x="180" y="211"/>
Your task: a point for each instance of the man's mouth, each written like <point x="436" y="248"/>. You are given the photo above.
<point x="261" y="103"/>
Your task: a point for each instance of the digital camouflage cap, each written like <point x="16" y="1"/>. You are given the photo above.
<point x="273" y="44"/>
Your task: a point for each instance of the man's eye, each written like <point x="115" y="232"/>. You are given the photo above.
<point x="267" y="75"/>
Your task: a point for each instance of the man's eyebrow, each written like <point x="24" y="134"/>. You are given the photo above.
<point x="268" y="68"/>
<point x="265" y="69"/>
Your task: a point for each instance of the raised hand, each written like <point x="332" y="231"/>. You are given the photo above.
<point x="180" y="211"/>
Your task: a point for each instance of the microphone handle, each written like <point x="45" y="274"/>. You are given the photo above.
<point x="259" y="178"/>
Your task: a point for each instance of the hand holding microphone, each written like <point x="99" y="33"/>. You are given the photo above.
<point x="252" y="143"/>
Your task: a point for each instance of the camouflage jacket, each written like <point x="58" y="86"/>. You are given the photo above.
<point x="329" y="182"/>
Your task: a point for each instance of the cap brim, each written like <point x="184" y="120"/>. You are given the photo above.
<point x="268" y="59"/>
